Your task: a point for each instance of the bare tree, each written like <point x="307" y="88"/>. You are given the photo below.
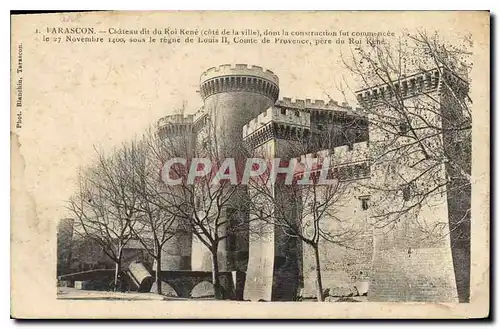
<point x="206" y="205"/>
<point x="104" y="206"/>
<point x="415" y="92"/>
<point x="414" y="138"/>
<point x="155" y="225"/>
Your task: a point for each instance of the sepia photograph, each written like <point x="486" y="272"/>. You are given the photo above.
<point x="271" y="162"/>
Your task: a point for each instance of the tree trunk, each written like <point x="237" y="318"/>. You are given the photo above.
<point x="215" y="275"/>
<point x="117" y="271"/>
<point x="157" y="274"/>
<point x="319" y="283"/>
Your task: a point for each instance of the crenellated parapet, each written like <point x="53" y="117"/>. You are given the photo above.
<point x="239" y="69"/>
<point x="175" y="119"/>
<point x="347" y="162"/>
<point x="239" y="78"/>
<point x="314" y="104"/>
<point x="320" y="110"/>
<point x="175" y="124"/>
<point x="311" y="104"/>
<point x="277" y="115"/>
<point x="410" y="86"/>
<point x="277" y="122"/>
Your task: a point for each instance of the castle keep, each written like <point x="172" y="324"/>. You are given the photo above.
<point x="395" y="262"/>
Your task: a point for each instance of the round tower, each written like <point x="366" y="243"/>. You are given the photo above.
<point x="234" y="95"/>
<point x="176" y="132"/>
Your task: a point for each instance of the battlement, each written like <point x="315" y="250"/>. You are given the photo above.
<point x="286" y="117"/>
<point x="239" y="78"/>
<point x="239" y="69"/>
<point x="175" y="119"/>
<point x="175" y="124"/>
<point x="278" y="123"/>
<point x="410" y="86"/>
<point x="315" y="104"/>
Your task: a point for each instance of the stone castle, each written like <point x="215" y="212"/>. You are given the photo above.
<point x="396" y="264"/>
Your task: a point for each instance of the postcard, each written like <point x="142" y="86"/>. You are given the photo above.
<point x="225" y="164"/>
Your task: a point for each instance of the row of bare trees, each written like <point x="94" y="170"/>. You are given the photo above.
<point x="112" y="205"/>
<point x="123" y="197"/>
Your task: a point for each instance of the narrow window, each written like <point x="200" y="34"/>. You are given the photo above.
<point x="406" y="193"/>
<point x="365" y="202"/>
<point x="405" y="88"/>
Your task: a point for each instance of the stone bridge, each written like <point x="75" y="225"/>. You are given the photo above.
<point x="183" y="282"/>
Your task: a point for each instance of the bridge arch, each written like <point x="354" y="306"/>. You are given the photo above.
<point x="199" y="283"/>
<point x="204" y="288"/>
<point x="167" y="289"/>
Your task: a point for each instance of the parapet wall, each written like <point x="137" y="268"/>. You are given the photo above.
<point x="410" y="86"/>
<point x="274" y="114"/>
<point x="175" y="119"/>
<point x="239" y="69"/>
<point x="239" y="78"/>
<point x="316" y="104"/>
<point x="176" y="124"/>
<point x="309" y="103"/>
<point x="296" y="112"/>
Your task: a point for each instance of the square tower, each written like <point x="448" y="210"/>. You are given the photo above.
<point x="274" y="269"/>
<point x="420" y="150"/>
